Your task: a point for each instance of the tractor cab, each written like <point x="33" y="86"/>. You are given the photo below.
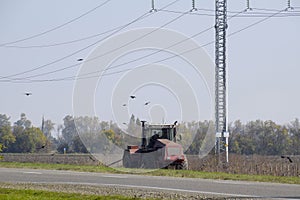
<point x="154" y="132"/>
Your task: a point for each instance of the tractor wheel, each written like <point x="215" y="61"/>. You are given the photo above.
<point x="184" y="165"/>
<point x="126" y="160"/>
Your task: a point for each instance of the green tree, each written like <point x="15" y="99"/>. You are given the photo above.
<point x="69" y="131"/>
<point x="88" y="129"/>
<point x="133" y="127"/>
<point x="138" y="122"/>
<point x="48" y="127"/>
<point x="4" y="120"/>
<point x="6" y="137"/>
<point x="294" y="134"/>
<point x="78" y="146"/>
<point x="28" y="139"/>
<point x="23" y="121"/>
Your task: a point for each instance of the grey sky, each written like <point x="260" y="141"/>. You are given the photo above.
<point x="263" y="61"/>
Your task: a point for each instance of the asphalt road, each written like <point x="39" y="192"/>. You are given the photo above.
<point x="186" y="185"/>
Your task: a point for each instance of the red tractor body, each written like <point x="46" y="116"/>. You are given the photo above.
<point x="158" y="149"/>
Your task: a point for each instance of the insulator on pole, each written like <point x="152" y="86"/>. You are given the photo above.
<point x="289" y="7"/>
<point x="193" y="6"/>
<point x="248" y="5"/>
<point x="153" y="7"/>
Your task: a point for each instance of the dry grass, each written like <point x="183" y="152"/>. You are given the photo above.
<point x="253" y="165"/>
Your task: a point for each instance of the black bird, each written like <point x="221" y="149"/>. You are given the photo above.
<point x="289" y="159"/>
<point x="28" y="93"/>
<point x="79" y="59"/>
<point x="124" y="104"/>
<point x="132" y="96"/>
<point x="147" y="103"/>
<point x="42" y="147"/>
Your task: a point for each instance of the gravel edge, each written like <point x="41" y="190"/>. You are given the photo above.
<point x="109" y="190"/>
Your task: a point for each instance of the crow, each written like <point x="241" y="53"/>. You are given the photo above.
<point x="289" y="159"/>
<point x="124" y="104"/>
<point x="42" y="147"/>
<point x="79" y="59"/>
<point x="147" y="103"/>
<point x="132" y="96"/>
<point x="28" y="93"/>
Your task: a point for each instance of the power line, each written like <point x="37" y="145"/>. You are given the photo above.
<point x="34" y="69"/>
<point x="209" y="43"/>
<point x="251" y="14"/>
<point x="255" y="23"/>
<point x="140" y="58"/>
<point x="75" y="52"/>
<point x="68" y="42"/>
<point x="57" y="27"/>
<point x="212" y="42"/>
<point x="246" y="15"/>
<point x="229" y="35"/>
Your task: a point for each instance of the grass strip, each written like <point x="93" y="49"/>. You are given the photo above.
<point x="160" y="172"/>
<point x="20" y="194"/>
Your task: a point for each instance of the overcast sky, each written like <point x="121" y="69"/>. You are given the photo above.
<point x="263" y="60"/>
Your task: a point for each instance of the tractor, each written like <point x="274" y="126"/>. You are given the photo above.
<point x="158" y="149"/>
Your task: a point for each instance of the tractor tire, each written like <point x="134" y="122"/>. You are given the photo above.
<point x="126" y="160"/>
<point x="184" y="165"/>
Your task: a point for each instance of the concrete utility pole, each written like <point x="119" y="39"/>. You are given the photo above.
<point x="221" y="111"/>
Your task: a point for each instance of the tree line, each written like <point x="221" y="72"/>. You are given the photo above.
<point x="89" y="134"/>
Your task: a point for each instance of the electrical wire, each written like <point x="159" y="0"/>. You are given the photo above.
<point x="173" y="56"/>
<point x="67" y="42"/>
<point x="247" y="15"/>
<point x="140" y="58"/>
<point x="289" y="13"/>
<point x="253" y="24"/>
<point x="57" y="27"/>
<point x="161" y="50"/>
<point x="75" y="52"/>
<point x="43" y="66"/>
<point x="72" y="78"/>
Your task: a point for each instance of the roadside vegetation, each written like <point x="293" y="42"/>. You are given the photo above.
<point x="160" y="172"/>
<point x="263" y="138"/>
<point x="24" y="194"/>
<point x="252" y="138"/>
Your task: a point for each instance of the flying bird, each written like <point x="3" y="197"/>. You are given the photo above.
<point x="147" y="103"/>
<point x="28" y="93"/>
<point x="132" y="96"/>
<point x="289" y="159"/>
<point x="80" y="59"/>
<point x="42" y="147"/>
<point x="124" y="104"/>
